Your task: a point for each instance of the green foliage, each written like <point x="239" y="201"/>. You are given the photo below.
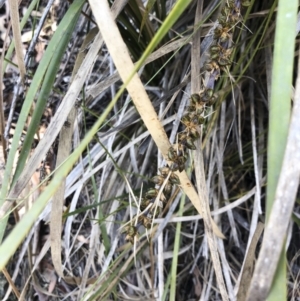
<point x="280" y="105"/>
<point x="46" y="71"/>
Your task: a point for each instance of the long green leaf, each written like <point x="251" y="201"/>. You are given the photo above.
<point x="59" y="42"/>
<point x="173" y="287"/>
<point x="280" y="108"/>
<point x="65" y="25"/>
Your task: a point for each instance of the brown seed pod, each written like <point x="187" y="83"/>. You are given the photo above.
<point x="181" y="167"/>
<point x="199" y="110"/>
<point x="213" y="100"/>
<point x="144" y="204"/>
<point x="177" y="157"/>
<point x="191" y="108"/>
<point x="235" y="16"/>
<point x="174" y="166"/>
<point x="190" y="144"/>
<point x="180" y="150"/>
<point x="201" y="119"/>
<point x="131" y="232"/>
<point x="215" y="56"/>
<point x="195" y="120"/>
<point x="219" y="31"/>
<point x="182" y="136"/>
<point x="158" y="180"/>
<point x="226" y="53"/>
<point x="168" y="188"/>
<point x="213" y="68"/>
<point x="207" y="94"/>
<point x="231" y="4"/>
<point x="215" y="49"/>
<point x="151" y="193"/>
<point x="185" y="119"/>
<point x="178" y="166"/>
<point x="195" y="98"/>
<point x="145" y="221"/>
<point x="194" y="133"/>
<point x="223" y="62"/>
<point x="174" y="179"/>
<point x="164" y="171"/>
<point x="209" y="66"/>
<point x="183" y="140"/>
<point x="222" y="34"/>
<point x="181" y="160"/>
<point x="172" y="154"/>
<point x="223" y="20"/>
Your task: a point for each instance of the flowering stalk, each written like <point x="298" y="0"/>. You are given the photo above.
<point x="219" y="59"/>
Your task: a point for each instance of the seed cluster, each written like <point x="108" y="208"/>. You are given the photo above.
<point x="218" y="60"/>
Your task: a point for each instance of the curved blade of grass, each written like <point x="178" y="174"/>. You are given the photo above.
<point x="64" y="27"/>
<point x="58" y="42"/>
<point x="280" y="107"/>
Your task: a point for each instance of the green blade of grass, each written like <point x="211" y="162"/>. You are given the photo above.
<point x="280" y="107"/>
<point x="59" y="42"/>
<point x="264" y="284"/>
<point x="173" y="286"/>
<point x="65" y="25"/>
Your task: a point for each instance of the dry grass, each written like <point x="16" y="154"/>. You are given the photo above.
<point x="76" y="249"/>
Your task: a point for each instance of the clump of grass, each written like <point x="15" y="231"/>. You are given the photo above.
<point x="119" y="131"/>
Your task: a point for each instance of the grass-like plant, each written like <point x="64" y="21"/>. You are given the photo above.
<point x="194" y="96"/>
